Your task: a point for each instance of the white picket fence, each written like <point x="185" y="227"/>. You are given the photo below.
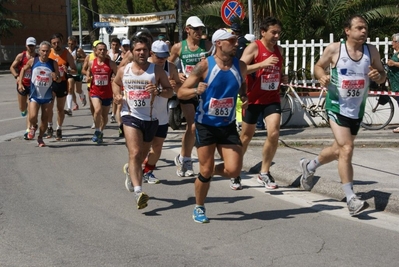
<point x="305" y="54"/>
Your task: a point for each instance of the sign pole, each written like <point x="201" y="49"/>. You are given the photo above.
<point x="80" y="25"/>
<point x="180" y="23"/>
<point x="250" y="20"/>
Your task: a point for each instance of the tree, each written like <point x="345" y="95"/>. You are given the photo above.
<point x="7" y="23"/>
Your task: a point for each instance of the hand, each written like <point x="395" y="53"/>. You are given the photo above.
<point x="391" y="63"/>
<point x="118" y="99"/>
<point x="21" y="88"/>
<point x="373" y="74"/>
<point x="172" y="82"/>
<point x="201" y="88"/>
<point x="151" y="88"/>
<point x="324" y="80"/>
<point x="244" y="100"/>
<point x="182" y="77"/>
<point x="270" y="61"/>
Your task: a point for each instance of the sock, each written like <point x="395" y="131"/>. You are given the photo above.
<point x="58" y="127"/>
<point x="81" y="95"/>
<point x="185" y="159"/>
<point x="137" y="189"/>
<point x="197" y="206"/>
<point x="264" y="173"/>
<point x="348" y="190"/>
<point x="148" y="168"/>
<point x="313" y="164"/>
<point x="112" y="114"/>
<point x="50" y="125"/>
<point x="180" y="158"/>
<point x="97" y="130"/>
<point x="69" y="101"/>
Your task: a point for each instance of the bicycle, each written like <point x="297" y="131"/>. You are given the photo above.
<point x="289" y="93"/>
<point x="379" y="109"/>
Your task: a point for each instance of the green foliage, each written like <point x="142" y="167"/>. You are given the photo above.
<point x="7" y="23"/>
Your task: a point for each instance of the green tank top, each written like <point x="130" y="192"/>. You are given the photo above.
<point x="393" y="74"/>
<point x="190" y="58"/>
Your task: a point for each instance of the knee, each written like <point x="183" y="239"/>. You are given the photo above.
<point x="346" y="150"/>
<point x="273" y="135"/>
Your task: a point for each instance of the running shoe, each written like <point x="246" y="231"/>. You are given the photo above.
<point x="49" y="132"/>
<point x="58" y="134"/>
<point x="26" y="134"/>
<point x="128" y="182"/>
<point x="356" y="206"/>
<point x="188" y="165"/>
<point x="40" y="142"/>
<point x="68" y="112"/>
<point x="32" y="132"/>
<point x="268" y="181"/>
<point x="235" y="183"/>
<point x="181" y="171"/>
<point x="75" y="107"/>
<point x="96" y="136"/>
<point x="113" y="120"/>
<point x="23" y="113"/>
<point x="307" y="176"/>
<point x="100" y="138"/>
<point x="199" y="215"/>
<point x="83" y="100"/>
<point x="142" y="199"/>
<point x="150" y="178"/>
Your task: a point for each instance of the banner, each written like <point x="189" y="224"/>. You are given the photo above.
<point x="139" y="19"/>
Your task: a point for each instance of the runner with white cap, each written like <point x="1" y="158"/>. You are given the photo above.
<point x="190" y="51"/>
<point x="217" y="81"/>
<point x="19" y="62"/>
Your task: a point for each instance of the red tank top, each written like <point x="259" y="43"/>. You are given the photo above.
<point x="62" y="62"/>
<point x="28" y="73"/>
<point x="264" y="84"/>
<point x="101" y="82"/>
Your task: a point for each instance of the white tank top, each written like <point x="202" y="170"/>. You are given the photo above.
<point x="138" y="102"/>
<point x="161" y="103"/>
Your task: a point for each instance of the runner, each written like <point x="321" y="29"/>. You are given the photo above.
<point x="115" y="54"/>
<point x="19" y="62"/>
<point x="264" y="60"/>
<point x="75" y="81"/>
<point x="220" y="78"/>
<point x="99" y="73"/>
<point x="189" y="51"/>
<point x="353" y="64"/>
<point x="44" y="71"/>
<point x="159" y="56"/>
<point x="60" y="89"/>
<point x="143" y="82"/>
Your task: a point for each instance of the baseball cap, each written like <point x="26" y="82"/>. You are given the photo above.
<point x="31" y="41"/>
<point x="250" y="37"/>
<point x="236" y="27"/>
<point x="96" y="42"/>
<point x="194" y="21"/>
<point x="125" y="42"/>
<point x="160" y="48"/>
<point x="222" y="34"/>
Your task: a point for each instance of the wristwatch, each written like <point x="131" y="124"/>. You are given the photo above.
<point x="159" y="90"/>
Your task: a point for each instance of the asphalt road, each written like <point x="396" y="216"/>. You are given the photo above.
<point x="66" y="205"/>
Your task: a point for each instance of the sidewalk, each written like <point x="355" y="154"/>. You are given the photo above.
<point x="376" y="168"/>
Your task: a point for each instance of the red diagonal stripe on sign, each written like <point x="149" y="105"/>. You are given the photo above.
<point x="232" y="10"/>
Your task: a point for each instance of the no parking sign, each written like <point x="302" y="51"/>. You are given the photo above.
<point x="231" y="9"/>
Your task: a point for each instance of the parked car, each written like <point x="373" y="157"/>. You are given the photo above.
<point x="87" y="48"/>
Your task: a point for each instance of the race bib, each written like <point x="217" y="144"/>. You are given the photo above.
<point x="352" y="88"/>
<point x="221" y="107"/>
<point x="270" y="81"/>
<point x="189" y="69"/>
<point x="42" y="81"/>
<point x="101" y="80"/>
<point x="138" y="99"/>
<point x="61" y="70"/>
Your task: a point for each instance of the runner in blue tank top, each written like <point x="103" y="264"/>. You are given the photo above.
<point x="216" y="81"/>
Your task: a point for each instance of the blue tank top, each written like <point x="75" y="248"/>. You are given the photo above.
<point x="218" y="102"/>
<point x="41" y="80"/>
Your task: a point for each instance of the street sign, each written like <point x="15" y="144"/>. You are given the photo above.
<point x="231" y="9"/>
<point x="100" y="24"/>
<point x="109" y="29"/>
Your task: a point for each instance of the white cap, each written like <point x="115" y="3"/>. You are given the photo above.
<point x="160" y="48"/>
<point x="31" y="41"/>
<point x="222" y="34"/>
<point x="125" y="42"/>
<point x="250" y="37"/>
<point x="194" y="21"/>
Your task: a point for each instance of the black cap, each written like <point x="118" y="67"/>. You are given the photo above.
<point x="236" y="27"/>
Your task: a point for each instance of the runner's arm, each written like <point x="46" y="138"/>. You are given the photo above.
<point x="166" y="89"/>
<point x="14" y="66"/>
<point x="193" y="85"/>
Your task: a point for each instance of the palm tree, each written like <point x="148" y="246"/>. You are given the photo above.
<point x="7" y="23"/>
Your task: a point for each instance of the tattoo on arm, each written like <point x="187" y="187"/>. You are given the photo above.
<point x="199" y="70"/>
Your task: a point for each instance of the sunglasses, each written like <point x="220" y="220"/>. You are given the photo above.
<point x="195" y="28"/>
<point x="160" y="57"/>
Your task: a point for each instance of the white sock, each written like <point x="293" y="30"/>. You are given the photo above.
<point x="313" y="164"/>
<point x="184" y="159"/>
<point x="137" y="189"/>
<point x="69" y="101"/>
<point x="50" y="124"/>
<point x="348" y="190"/>
<point x="58" y="127"/>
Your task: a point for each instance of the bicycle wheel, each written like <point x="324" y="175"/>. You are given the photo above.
<point x="378" y="112"/>
<point x="287" y="107"/>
